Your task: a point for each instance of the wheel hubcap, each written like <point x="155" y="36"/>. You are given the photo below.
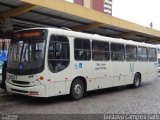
<point x="77" y="90"/>
<point x="137" y="81"/>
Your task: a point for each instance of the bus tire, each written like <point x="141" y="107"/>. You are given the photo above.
<point x="137" y="80"/>
<point x="77" y="89"/>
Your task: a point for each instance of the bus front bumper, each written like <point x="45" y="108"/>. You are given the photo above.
<point x="35" y="91"/>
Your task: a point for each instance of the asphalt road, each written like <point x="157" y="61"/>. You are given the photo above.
<point x="119" y="100"/>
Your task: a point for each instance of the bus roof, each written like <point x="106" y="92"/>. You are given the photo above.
<point x="70" y="33"/>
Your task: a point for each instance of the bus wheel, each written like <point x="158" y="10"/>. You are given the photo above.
<point x="137" y="80"/>
<point x="77" y="89"/>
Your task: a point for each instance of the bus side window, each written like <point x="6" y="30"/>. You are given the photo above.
<point x="152" y="54"/>
<point x="142" y="54"/>
<point x="117" y="52"/>
<point x="58" y="53"/>
<point x="131" y="53"/>
<point x="82" y="49"/>
<point x="100" y="51"/>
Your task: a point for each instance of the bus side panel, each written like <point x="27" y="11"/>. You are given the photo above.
<point x="129" y="74"/>
<point x="152" y="71"/>
<point x="118" y="73"/>
<point x="101" y="75"/>
<point x="97" y="74"/>
<point x="59" y="83"/>
<point x="82" y="69"/>
<point x="147" y="70"/>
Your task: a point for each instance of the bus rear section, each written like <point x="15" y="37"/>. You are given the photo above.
<point x="158" y="57"/>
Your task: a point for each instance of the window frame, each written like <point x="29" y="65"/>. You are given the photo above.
<point x="101" y="51"/>
<point x="131" y="53"/>
<point x="155" y="55"/>
<point x="117" y="52"/>
<point x="141" y="54"/>
<point x="69" y="56"/>
<point x="87" y="50"/>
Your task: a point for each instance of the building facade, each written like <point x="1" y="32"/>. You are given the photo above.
<point x="99" y="5"/>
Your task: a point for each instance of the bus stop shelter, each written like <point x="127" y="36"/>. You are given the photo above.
<point x="21" y="14"/>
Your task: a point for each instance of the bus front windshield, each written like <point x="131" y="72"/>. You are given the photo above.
<point x="26" y="52"/>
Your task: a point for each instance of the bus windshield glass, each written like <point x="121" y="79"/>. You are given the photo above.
<point x="26" y="52"/>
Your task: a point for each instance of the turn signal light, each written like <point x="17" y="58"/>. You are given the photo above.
<point x="41" y="78"/>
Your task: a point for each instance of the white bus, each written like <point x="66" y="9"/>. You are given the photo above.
<point x="158" y="56"/>
<point x="44" y="62"/>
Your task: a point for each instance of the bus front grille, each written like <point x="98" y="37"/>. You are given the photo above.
<point x="20" y="91"/>
<point x="20" y="82"/>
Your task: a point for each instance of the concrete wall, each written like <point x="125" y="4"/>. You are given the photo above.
<point x="80" y="2"/>
<point x="98" y="5"/>
<point x="88" y="3"/>
<point x="104" y="6"/>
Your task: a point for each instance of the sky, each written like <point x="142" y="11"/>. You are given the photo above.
<point x="142" y="12"/>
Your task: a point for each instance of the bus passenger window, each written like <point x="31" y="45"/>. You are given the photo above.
<point x="117" y="52"/>
<point x="58" y="53"/>
<point x="152" y="54"/>
<point x="82" y="49"/>
<point x="100" y="51"/>
<point x="131" y="53"/>
<point x="142" y="54"/>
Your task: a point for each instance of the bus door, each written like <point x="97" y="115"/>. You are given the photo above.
<point x="118" y="63"/>
<point x="58" y="62"/>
